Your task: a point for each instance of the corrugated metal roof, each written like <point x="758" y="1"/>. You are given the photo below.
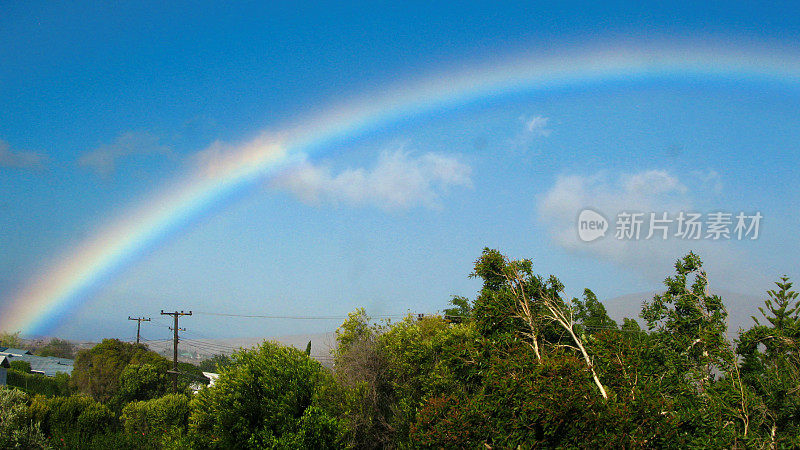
<point x="9" y="351"/>
<point x="48" y="365"/>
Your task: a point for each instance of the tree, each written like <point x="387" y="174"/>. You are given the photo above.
<point x="495" y="307"/>
<point x="771" y="362"/>
<point x="139" y="382"/>
<point x="97" y="370"/>
<point x="260" y="400"/>
<point x="539" y="303"/>
<point x="689" y="327"/>
<point x="60" y="348"/>
<point x="591" y="314"/>
<point x="462" y="307"/>
<point x="692" y="321"/>
<point x="215" y="364"/>
<point x="362" y="391"/>
<point x="16" y="428"/>
<point x="354" y="330"/>
<point x="10" y="339"/>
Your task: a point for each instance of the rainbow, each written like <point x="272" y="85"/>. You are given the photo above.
<point x="49" y="297"/>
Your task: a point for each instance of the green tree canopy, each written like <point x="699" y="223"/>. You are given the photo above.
<point x="97" y="370"/>
<point x="262" y="400"/>
<point x="61" y="348"/>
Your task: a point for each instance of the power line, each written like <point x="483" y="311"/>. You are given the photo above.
<point x="209" y="346"/>
<point x="212" y="345"/>
<point x="264" y="316"/>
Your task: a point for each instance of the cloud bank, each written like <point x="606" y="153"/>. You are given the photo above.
<point x="647" y="191"/>
<point x="398" y="180"/>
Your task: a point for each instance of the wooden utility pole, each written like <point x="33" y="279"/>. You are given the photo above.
<point x="175" y="329"/>
<point x="139" y="321"/>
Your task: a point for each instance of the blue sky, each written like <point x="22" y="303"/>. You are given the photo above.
<point x="103" y="105"/>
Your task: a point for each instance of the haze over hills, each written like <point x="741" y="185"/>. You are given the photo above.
<point x="740" y="307"/>
<point x="196" y="350"/>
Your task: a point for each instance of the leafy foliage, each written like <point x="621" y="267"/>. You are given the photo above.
<point x="60" y="348"/>
<point x="215" y="364"/>
<point x="37" y="384"/>
<point x="771" y="365"/>
<point x="21" y="366"/>
<point x="97" y="370"/>
<point x="16" y="428"/>
<point x="77" y="414"/>
<point x="260" y="400"/>
<point x="142" y="382"/>
<point x="522" y="366"/>
<point x="159" y="415"/>
<point x="10" y="339"/>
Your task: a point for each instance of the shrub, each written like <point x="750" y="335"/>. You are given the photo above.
<point x="79" y="414"/>
<point x="16" y="427"/>
<point x="37" y="384"/>
<point x="259" y="400"/>
<point x="97" y="370"/>
<point x="142" y="382"/>
<point x="21" y="366"/>
<point x="158" y="415"/>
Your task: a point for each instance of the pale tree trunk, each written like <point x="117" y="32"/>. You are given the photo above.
<point x="555" y="314"/>
<point x="568" y="324"/>
<point x="524" y="310"/>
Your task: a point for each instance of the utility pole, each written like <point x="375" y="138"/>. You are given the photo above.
<point x="139" y="321"/>
<point x="175" y="329"/>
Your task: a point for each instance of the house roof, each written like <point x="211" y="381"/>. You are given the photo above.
<point x="10" y="351"/>
<point x="4" y="362"/>
<point x="47" y="365"/>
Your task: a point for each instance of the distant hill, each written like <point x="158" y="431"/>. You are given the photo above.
<point x="196" y="350"/>
<point x="740" y="307"/>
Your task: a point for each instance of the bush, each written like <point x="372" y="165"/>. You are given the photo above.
<point x="159" y="415"/>
<point x="118" y="440"/>
<point x="97" y="370"/>
<point x="259" y="400"/>
<point x="60" y="416"/>
<point x="16" y="427"/>
<point x="37" y="384"/>
<point x="21" y="366"/>
<point x="215" y="363"/>
<point x="142" y="382"/>
<point x="60" y="348"/>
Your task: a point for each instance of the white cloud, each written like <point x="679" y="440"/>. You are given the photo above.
<point x="651" y="183"/>
<point x="398" y="180"/>
<point x="533" y="128"/>
<point x="20" y="159"/>
<point x="709" y="179"/>
<point x="648" y="191"/>
<point x="103" y="160"/>
<point x="537" y="126"/>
